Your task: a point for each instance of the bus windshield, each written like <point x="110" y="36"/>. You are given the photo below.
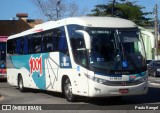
<point x="116" y="50"/>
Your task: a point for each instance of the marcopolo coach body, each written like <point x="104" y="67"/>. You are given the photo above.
<point x="86" y="56"/>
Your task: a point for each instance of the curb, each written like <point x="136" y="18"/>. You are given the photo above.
<point x="157" y="81"/>
<point x="154" y="83"/>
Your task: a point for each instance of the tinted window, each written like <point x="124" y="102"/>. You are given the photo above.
<point x="11" y="46"/>
<point x="77" y="44"/>
<point x="25" y="45"/>
<point x="62" y="45"/>
<point x="47" y="41"/>
<point x="18" y="49"/>
<point x="37" y="42"/>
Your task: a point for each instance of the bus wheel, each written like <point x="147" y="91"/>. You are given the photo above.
<point x="68" y="91"/>
<point x="20" y="84"/>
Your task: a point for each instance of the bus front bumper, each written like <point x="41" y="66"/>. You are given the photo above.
<point x="101" y="90"/>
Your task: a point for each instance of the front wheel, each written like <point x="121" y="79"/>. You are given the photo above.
<point x="20" y="84"/>
<point x="68" y="91"/>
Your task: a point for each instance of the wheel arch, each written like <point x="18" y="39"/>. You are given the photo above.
<point x="64" y="77"/>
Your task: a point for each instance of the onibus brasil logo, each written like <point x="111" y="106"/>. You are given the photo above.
<point x="35" y="65"/>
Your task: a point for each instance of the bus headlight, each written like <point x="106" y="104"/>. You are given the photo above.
<point x="136" y="81"/>
<point x="142" y="79"/>
<point x="98" y="80"/>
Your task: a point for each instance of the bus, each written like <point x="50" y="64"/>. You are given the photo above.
<point x="79" y="56"/>
<point x="3" y="43"/>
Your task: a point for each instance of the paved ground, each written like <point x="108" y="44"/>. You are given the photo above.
<point x="11" y="95"/>
<point x="154" y="81"/>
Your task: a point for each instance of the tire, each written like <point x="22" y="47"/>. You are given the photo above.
<point x="68" y="91"/>
<point x="20" y="84"/>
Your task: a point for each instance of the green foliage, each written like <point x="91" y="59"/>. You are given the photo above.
<point x="127" y="10"/>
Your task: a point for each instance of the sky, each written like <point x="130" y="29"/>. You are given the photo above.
<point x="9" y="8"/>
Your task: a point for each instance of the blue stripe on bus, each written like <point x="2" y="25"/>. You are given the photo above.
<point x="35" y="64"/>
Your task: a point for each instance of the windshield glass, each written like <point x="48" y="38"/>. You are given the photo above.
<point x="116" y="49"/>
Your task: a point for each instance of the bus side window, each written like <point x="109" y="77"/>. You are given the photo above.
<point x="25" y="45"/>
<point x="47" y="45"/>
<point x="48" y="41"/>
<point x="30" y="44"/>
<point x="79" y="51"/>
<point x="37" y="43"/>
<point x="18" y="48"/>
<point x="11" y="46"/>
<point x="77" y="44"/>
<point x="55" y="40"/>
<point x="62" y="46"/>
<point x="37" y="49"/>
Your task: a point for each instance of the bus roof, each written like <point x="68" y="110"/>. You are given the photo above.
<point x="107" y="22"/>
<point x="90" y="21"/>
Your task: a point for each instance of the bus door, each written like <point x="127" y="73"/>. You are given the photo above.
<point x="80" y="56"/>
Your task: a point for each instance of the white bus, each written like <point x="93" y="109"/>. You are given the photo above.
<point x="85" y="56"/>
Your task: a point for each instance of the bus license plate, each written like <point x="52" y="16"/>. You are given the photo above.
<point x="123" y="91"/>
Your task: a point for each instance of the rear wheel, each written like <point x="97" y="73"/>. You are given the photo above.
<point x="68" y="91"/>
<point x="20" y="84"/>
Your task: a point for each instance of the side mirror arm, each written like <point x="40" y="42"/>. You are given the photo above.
<point x="87" y="38"/>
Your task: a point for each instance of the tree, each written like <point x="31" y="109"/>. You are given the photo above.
<point x="57" y="9"/>
<point x="127" y="10"/>
<point x="51" y="9"/>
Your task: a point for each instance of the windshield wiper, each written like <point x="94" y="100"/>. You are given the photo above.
<point x="124" y="58"/>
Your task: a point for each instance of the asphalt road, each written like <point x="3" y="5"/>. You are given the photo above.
<point x="56" y="101"/>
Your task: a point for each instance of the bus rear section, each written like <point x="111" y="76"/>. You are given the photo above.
<point x="3" y="41"/>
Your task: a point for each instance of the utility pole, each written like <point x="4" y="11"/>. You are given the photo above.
<point x="113" y="7"/>
<point x="57" y="9"/>
<point x="156" y="31"/>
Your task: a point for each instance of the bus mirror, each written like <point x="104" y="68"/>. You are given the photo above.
<point x="87" y="38"/>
